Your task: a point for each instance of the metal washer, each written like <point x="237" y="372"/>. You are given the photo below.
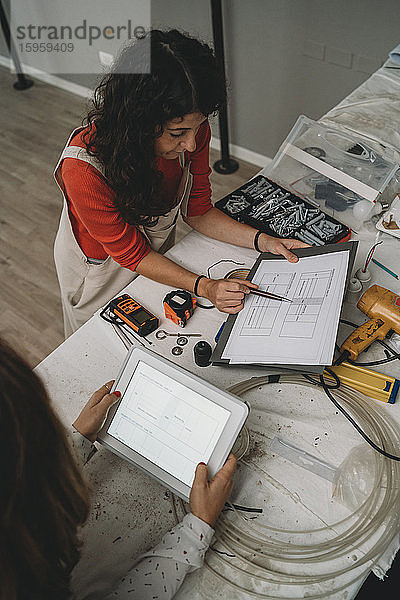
<point x="182" y="341"/>
<point x="177" y="350"/>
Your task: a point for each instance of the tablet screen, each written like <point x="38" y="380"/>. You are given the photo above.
<point x="167" y="422"/>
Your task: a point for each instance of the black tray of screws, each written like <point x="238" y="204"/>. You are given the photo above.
<point x="269" y="207"/>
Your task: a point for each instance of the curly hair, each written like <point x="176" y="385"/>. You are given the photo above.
<point x="130" y="111"/>
<point x="43" y="496"/>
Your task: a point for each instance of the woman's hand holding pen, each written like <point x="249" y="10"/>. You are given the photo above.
<point x="226" y="294"/>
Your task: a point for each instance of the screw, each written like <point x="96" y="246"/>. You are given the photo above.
<point x="316" y="219"/>
<point x="302" y="237"/>
<point x="315" y="239"/>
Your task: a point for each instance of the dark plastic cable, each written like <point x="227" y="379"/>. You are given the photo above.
<point x="331" y="387"/>
<point x="350" y="418"/>
<point x="224" y="260"/>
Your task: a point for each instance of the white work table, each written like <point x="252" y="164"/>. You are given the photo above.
<point x="130" y="512"/>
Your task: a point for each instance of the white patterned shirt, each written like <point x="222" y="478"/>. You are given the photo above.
<point x="158" y="573"/>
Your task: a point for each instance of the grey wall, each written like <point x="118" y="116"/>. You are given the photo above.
<point x="267" y="46"/>
<point x="285" y="57"/>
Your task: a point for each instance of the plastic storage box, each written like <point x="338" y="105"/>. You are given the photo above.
<point x="269" y="207"/>
<point x="333" y="169"/>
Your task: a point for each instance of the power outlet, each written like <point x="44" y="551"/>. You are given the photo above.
<point x="106" y="59"/>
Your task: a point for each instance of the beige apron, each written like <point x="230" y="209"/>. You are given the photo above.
<point x="85" y="286"/>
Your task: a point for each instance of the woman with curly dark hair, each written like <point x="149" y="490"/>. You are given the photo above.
<point x="44" y="499"/>
<point x="142" y="158"/>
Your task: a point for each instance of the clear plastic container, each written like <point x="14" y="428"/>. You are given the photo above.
<point x="346" y="178"/>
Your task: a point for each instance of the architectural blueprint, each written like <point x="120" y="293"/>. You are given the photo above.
<point x="300" y="332"/>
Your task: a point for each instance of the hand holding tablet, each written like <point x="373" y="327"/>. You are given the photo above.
<point x="207" y="498"/>
<point x="169" y="420"/>
<point x="93" y="415"/>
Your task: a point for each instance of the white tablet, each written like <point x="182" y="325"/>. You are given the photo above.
<point x="168" y="420"/>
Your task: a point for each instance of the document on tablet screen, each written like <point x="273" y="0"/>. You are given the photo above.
<point x="168" y="423"/>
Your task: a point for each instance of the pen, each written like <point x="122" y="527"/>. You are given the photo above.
<point x="269" y="295"/>
<point x="385" y="268"/>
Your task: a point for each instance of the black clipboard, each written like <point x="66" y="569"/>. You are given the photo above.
<point x="216" y="359"/>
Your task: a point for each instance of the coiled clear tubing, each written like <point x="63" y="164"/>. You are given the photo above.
<point x="263" y="561"/>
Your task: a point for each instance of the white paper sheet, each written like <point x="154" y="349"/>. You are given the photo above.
<point x="302" y="332"/>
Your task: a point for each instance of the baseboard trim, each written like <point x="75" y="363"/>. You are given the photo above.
<point x="67" y="86"/>
<point x="242" y="153"/>
<point x="238" y="152"/>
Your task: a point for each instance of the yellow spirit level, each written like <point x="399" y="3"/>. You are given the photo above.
<point x="375" y="385"/>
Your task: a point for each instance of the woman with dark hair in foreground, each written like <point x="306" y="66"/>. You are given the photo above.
<point x="141" y="159"/>
<point x="44" y="499"/>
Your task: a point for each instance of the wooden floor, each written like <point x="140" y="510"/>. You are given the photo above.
<point x="35" y="125"/>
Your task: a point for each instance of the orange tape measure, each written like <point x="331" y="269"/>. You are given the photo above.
<point x="179" y="306"/>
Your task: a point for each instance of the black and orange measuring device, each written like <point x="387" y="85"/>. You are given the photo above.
<point x="132" y="313"/>
<point x="179" y="306"/>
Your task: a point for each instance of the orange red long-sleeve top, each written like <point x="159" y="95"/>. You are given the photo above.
<point x="97" y="225"/>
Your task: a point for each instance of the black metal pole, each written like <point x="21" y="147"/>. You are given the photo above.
<point x="226" y="165"/>
<point x="23" y="83"/>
